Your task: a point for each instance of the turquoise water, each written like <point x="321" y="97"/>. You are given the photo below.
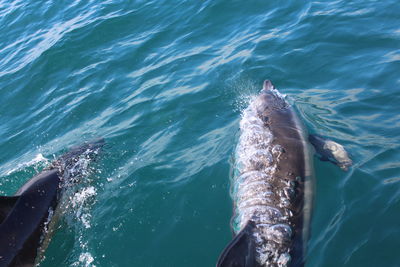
<point x="164" y="82"/>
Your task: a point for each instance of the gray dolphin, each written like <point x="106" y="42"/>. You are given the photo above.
<point x="26" y="216"/>
<point x="273" y="184"/>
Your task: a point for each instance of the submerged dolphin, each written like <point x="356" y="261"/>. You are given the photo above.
<point x="273" y="184"/>
<point x="26" y="216"/>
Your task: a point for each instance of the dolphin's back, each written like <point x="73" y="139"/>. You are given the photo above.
<point x="272" y="165"/>
<point x="26" y="216"/>
<point x="22" y="229"/>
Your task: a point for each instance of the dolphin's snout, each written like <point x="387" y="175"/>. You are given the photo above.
<point x="268" y="85"/>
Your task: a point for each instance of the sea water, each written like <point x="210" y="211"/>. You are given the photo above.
<point x="165" y="82"/>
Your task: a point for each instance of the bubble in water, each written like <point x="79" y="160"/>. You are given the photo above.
<point x="85" y="259"/>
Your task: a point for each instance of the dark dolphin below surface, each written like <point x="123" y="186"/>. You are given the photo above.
<point x="26" y="216"/>
<point x="273" y="184"/>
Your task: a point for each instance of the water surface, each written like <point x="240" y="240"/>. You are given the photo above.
<point x="165" y="82"/>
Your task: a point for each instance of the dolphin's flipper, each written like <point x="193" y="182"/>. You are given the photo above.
<point x="329" y="150"/>
<point x="240" y="252"/>
<point x="6" y="205"/>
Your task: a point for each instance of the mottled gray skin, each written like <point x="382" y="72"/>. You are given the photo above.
<point x="293" y="167"/>
<point x="274" y="186"/>
<point x="25" y="217"/>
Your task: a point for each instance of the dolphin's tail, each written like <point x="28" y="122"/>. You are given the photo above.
<point x="240" y="252"/>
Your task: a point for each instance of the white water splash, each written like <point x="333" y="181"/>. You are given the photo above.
<point x="85" y="260"/>
<point x="78" y="204"/>
<point x="39" y="158"/>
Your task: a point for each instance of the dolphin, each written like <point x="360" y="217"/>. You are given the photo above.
<point x="26" y="216"/>
<point x="273" y="184"/>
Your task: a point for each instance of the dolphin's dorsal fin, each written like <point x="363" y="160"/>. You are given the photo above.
<point x="6" y="205"/>
<point x="240" y="252"/>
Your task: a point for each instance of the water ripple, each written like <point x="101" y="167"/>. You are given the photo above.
<point x="165" y="82"/>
